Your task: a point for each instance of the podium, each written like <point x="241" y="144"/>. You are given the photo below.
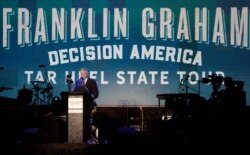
<point x="75" y="117"/>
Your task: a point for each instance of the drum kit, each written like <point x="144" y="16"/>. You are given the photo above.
<point x="42" y="91"/>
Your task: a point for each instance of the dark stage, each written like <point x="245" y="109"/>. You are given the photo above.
<point x="39" y="129"/>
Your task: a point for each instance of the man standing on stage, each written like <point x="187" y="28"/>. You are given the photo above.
<point x="89" y="88"/>
<point x="86" y="84"/>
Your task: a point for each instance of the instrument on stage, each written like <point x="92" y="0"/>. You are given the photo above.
<point x="42" y="90"/>
<point x="184" y="105"/>
<point x="37" y="85"/>
<point x="177" y="101"/>
<point x="47" y="89"/>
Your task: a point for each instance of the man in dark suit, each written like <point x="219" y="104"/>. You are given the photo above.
<point x="89" y="88"/>
<point x="86" y="84"/>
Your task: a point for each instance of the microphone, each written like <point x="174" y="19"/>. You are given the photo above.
<point x="187" y="77"/>
<point x="41" y="66"/>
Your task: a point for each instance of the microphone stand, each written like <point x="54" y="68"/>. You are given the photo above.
<point x="69" y="82"/>
<point x="199" y="87"/>
<point x="187" y="87"/>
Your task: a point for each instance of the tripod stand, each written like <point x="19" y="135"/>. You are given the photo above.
<point x="184" y="82"/>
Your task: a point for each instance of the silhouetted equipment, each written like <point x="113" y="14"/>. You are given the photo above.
<point x="216" y="82"/>
<point x="43" y="90"/>
<point x="233" y="96"/>
<point x="205" y="80"/>
<point x="35" y="83"/>
<point x="238" y="85"/>
<point x="47" y="89"/>
<point x="57" y="106"/>
<point x="216" y="79"/>
<point x="184" y="83"/>
<point x="69" y="82"/>
<point x="41" y="66"/>
<point x="181" y="105"/>
<point x="24" y="96"/>
<point x="177" y="101"/>
<point x="37" y="88"/>
<point x="68" y="79"/>
<point x="4" y="88"/>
